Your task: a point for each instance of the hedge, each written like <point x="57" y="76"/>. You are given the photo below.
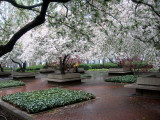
<point x="123" y="79"/>
<point x="110" y="65"/>
<point x="32" y="68"/>
<point x="41" y="100"/>
<point x="106" y="66"/>
<point x="7" y="69"/>
<point x="85" y="66"/>
<point x="98" y="66"/>
<point x="10" y="83"/>
<point x="139" y="64"/>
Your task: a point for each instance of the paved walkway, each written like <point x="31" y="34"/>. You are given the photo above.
<point x="113" y="102"/>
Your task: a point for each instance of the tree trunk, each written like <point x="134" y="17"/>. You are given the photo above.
<point x="46" y="66"/>
<point x="62" y="68"/>
<point x="120" y="64"/>
<point x="24" y="66"/>
<point x="87" y="61"/>
<point x="2" y="70"/>
<point x="63" y="63"/>
<point x="103" y="62"/>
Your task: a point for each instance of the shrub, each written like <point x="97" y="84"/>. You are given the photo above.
<point x="41" y="100"/>
<point x="35" y="67"/>
<point x="7" y="69"/>
<point x="99" y="66"/>
<point x="110" y="65"/>
<point x="96" y="66"/>
<point x="136" y="64"/>
<point x="85" y="66"/>
<point x="18" y="69"/>
<point x="123" y="79"/>
<point x="106" y="65"/>
<point x="10" y="83"/>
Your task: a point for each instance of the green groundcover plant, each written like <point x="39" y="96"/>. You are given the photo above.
<point x="123" y="79"/>
<point x="41" y="100"/>
<point x="10" y="83"/>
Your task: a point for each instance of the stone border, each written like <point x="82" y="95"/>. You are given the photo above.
<point x="143" y="87"/>
<point x="43" y="71"/>
<point x="12" y="110"/>
<point x="100" y="71"/>
<point x="5" y="74"/>
<point x="64" y="77"/>
<point x="121" y="73"/>
<point x="19" y="75"/>
<point x="64" y="80"/>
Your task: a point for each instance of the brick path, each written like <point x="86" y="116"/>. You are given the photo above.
<point x="113" y="102"/>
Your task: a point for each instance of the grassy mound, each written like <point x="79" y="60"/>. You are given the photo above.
<point x="123" y="79"/>
<point x="10" y="83"/>
<point x="41" y="100"/>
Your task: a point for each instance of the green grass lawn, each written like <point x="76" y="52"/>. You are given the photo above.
<point x="10" y="83"/>
<point x="35" y="71"/>
<point x="98" y="70"/>
<point x="85" y="76"/>
<point x="123" y="79"/>
<point x="41" y="100"/>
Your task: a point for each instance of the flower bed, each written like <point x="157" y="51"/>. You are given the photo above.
<point x="10" y="83"/>
<point x="41" y="100"/>
<point x="123" y="79"/>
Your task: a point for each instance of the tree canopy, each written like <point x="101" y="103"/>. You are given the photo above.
<point x="104" y="24"/>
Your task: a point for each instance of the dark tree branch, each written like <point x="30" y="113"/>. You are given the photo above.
<point x="14" y="3"/>
<point x="22" y="65"/>
<point x="66" y="9"/>
<point x="149" y="5"/>
<point x="65" y="24"/>
<point x="65" y="57"/>
<point x="96" y="8"/>
<point x="111" y="60"/>
<point x="70" y="27"/>
<point x="136" y="9"/>
<point x="17" y="63"/>
<point x="59" y="1"/>
<point x="40" y="19"/>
